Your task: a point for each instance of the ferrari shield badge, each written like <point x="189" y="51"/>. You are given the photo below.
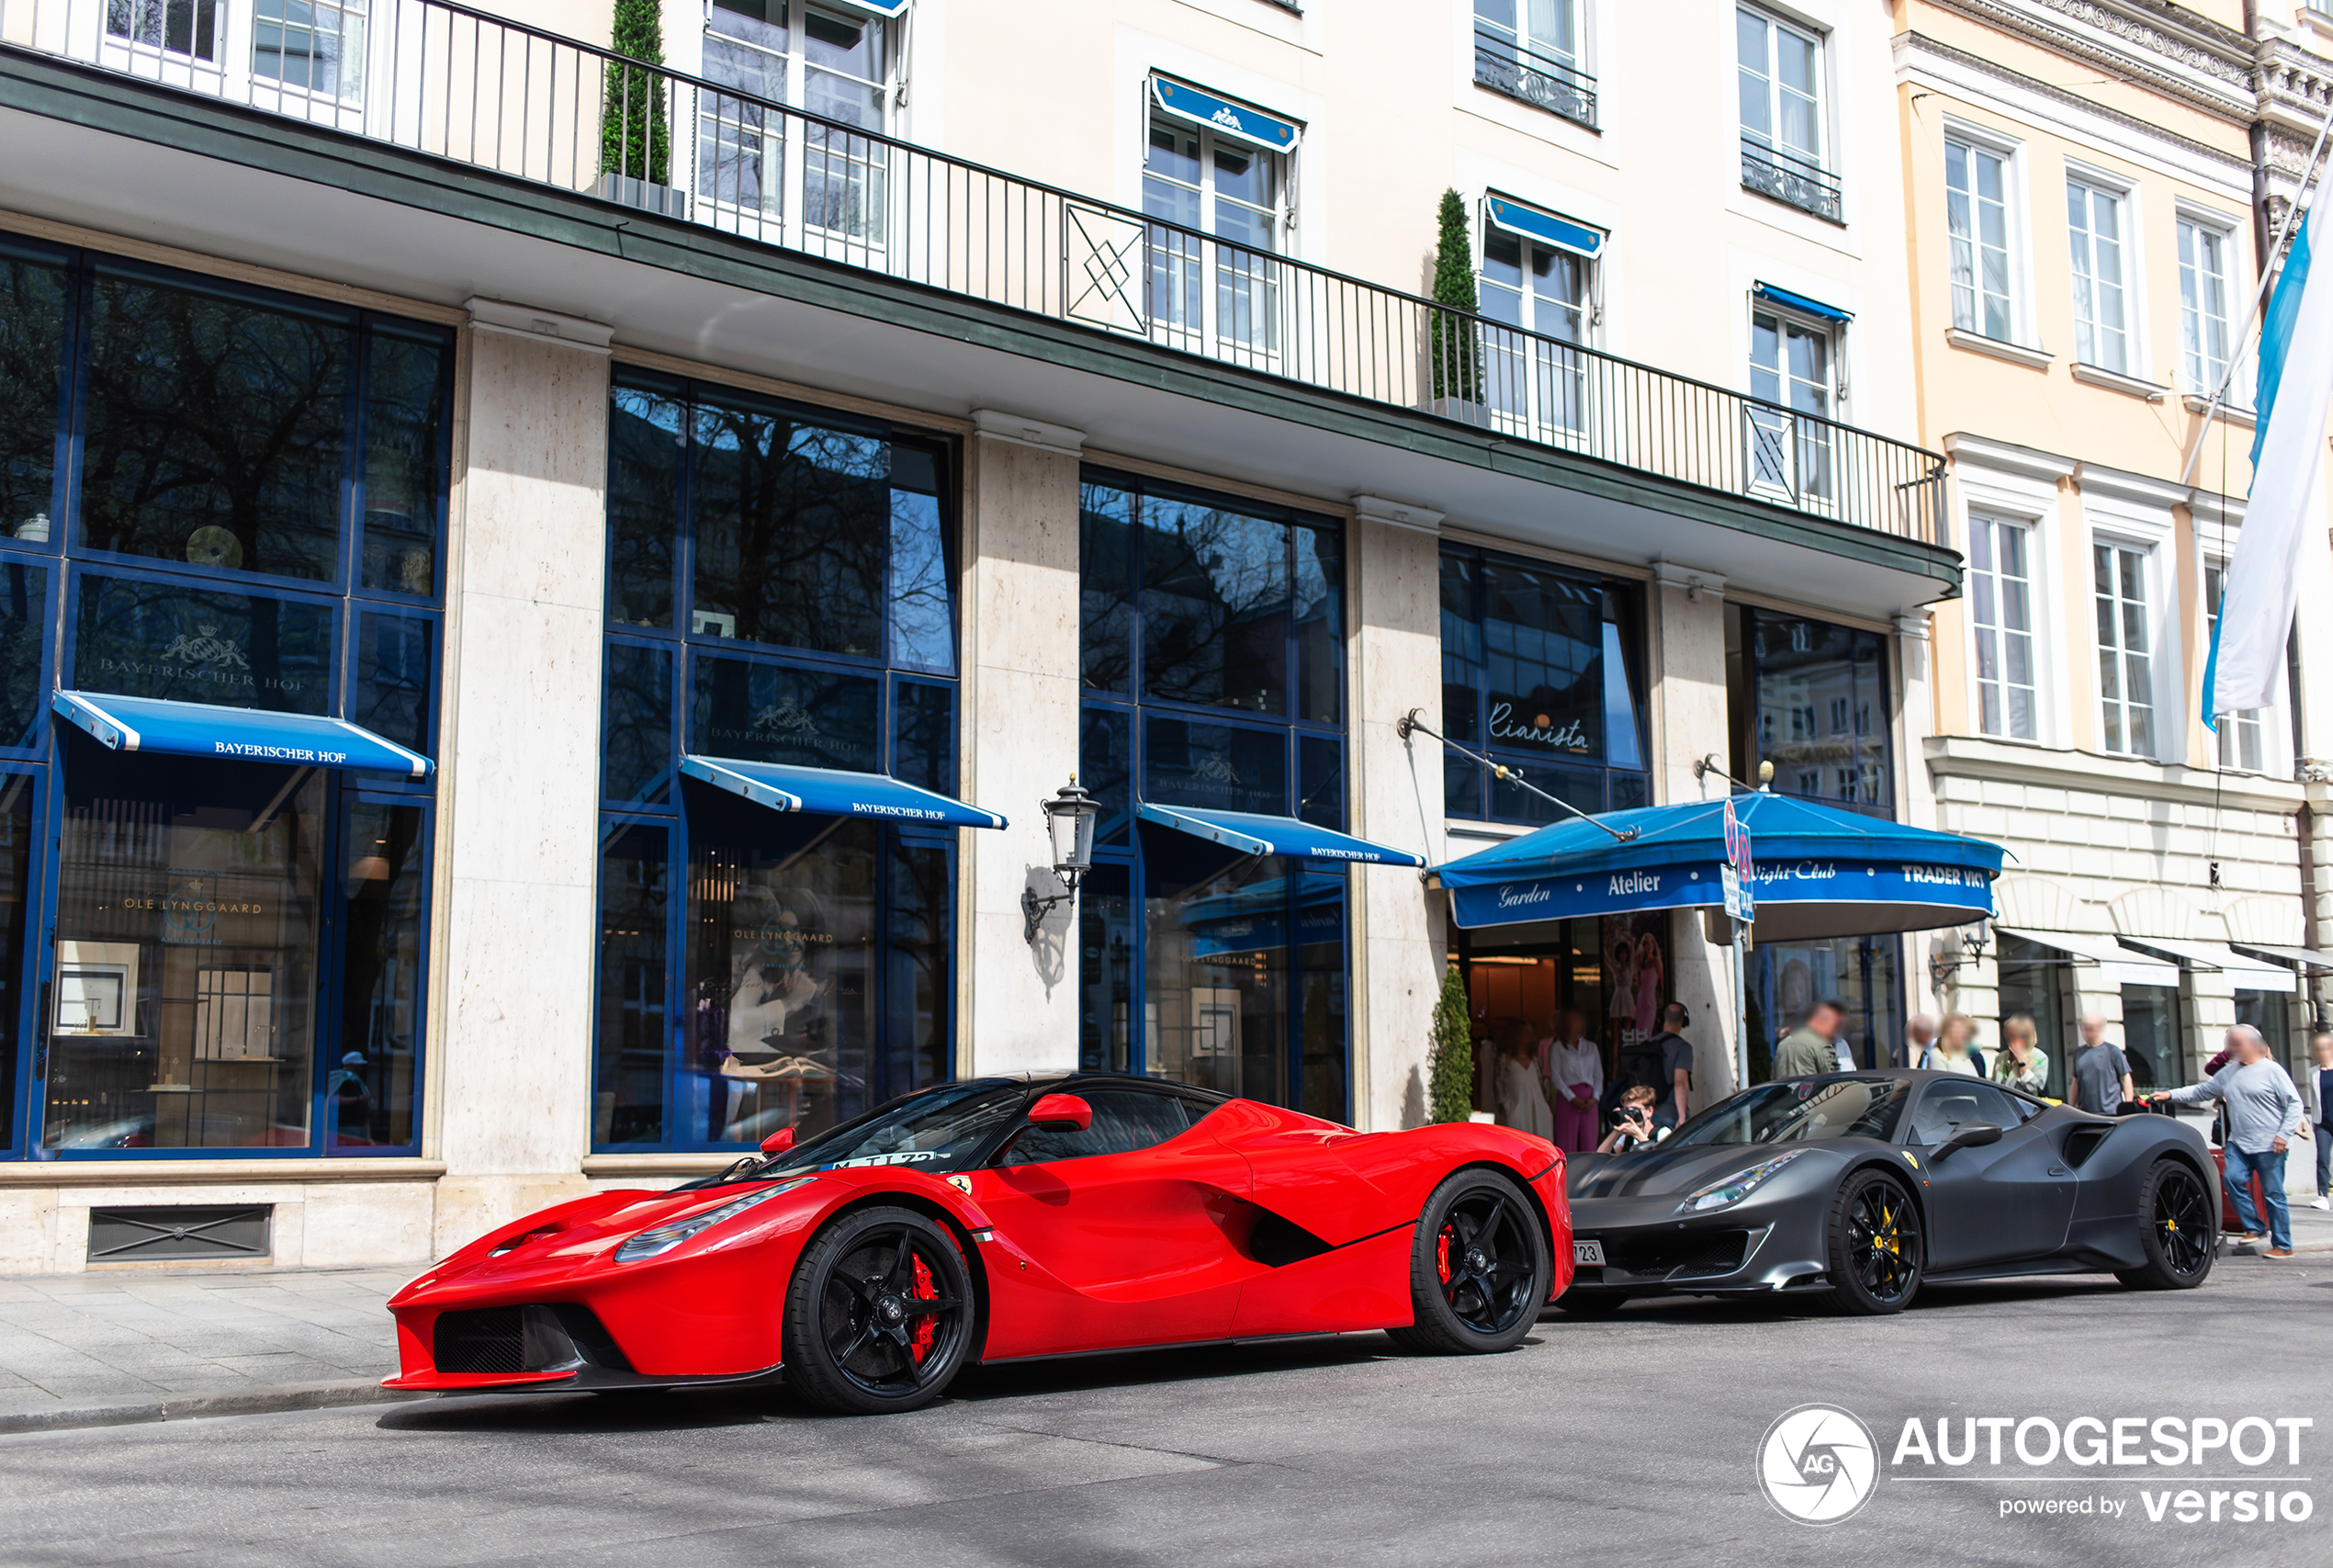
<point x="962" y="1184"/>
<point x="1911" y="1159"/>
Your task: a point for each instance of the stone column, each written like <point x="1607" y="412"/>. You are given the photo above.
<point x="1018" y="999"/>
<point x="510" y="1055"/>
<point x="1398" y="937"/>
<point x="1689" y="722"/>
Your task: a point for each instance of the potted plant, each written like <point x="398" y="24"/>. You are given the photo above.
<point x="1454" y="337"/>
<point x="1450" y="1066"/>
<point x="635" y="134"/>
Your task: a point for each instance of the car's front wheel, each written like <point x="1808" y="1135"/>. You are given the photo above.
<point x="1877" y="1251"/>
<point x="2176" y="1229"/>
<point x="1479" y="1268"/>
<point x="879" y="1317"/>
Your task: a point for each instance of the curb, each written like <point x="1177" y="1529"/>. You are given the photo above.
<point x="188" y="1407"/>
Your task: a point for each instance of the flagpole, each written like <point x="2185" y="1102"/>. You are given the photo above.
<point x="2260" y="297"/>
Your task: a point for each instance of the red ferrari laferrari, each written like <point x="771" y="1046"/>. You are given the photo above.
<point x="999" y="1219"/>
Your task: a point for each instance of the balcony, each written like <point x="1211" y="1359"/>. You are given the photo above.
<point x="1504" y="65"/>
<point x="445" y="87"/>
<point x="1788" y="178"/>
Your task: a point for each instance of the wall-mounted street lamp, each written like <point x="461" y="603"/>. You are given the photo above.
<point x="1943" y="965"/>
<point x="1069" y="819"/>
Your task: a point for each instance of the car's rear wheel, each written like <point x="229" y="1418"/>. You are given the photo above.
<point x="1577" y="1302"/>
<point x="2176" y="1230"/>
<point x="1877" y="1251"/>
<point x="880" y="1314"/>
<point x="1479" y="1268"/>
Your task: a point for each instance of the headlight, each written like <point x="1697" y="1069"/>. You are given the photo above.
<point x="664" y="1238"/>
<point x="1737" y="1187"/>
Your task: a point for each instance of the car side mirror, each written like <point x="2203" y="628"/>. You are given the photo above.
<point x="1061" y="1113"/>
<point x="1968" y="1136"/>
<point x="778" y="1142"/>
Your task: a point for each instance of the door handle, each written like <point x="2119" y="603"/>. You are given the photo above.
<point x="2059" y="1170"/>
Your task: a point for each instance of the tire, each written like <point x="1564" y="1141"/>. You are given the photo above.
<point x="2177" y="1229"/>
<point x="879" y="1316"/>
<point x="1478" y="1268"/>
<point x="1877" y="1251"/>
<point x="1591" y="1304"/>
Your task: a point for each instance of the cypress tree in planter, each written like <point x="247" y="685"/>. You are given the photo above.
<point x="635" y="139"/>
<point x="1454" y="343"/>
<point x="1449" y="1084"/>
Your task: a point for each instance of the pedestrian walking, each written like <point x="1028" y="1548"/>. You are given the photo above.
<point x="2021" y="1062"/>
<point x="1573" y="1068"/>
<point x="1920" y="1034"/>
<point x="2317" y="1097"/>
<point x="2099" y="1077"/>
<point x="1807" y="1051"/>
<point x="2263" y="1115"/>
<point x="1956" y="1048"/>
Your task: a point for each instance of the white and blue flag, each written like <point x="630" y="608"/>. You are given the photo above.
<point x="2286" y="508"/>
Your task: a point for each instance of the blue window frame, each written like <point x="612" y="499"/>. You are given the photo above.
<point x="1213" y="649"/>
<point x="780" y="589"/>
<point x="215" y="493"/>
<point x="1543" y="671"/>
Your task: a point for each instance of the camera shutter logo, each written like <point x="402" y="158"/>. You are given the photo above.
<point x="1819" y="1464"/>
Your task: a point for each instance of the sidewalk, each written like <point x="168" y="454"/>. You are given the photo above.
<point x="97" y="1350"/>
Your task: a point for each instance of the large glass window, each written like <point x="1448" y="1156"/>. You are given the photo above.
<point x="780" y="589"/>
<point x="1542" y="667"/>
<point x="17" y="913"/>
<point x="2094" y="230"/>
<point x="2151" y="1037"/>
<point x="1812" y="698"/>
<point x="1213" y="657"/>
<point x="2001" y="614"/>
<point x="1977" y="215"/>
<point x="218" y="494"/>
<point x="2032" y="981"/>
<point x="2242" y="736"/>
<point x="2125" y="639"/>
<point x="1863" y="975"/>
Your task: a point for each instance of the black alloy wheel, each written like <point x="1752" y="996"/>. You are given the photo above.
<point x="2177" y="1229"/>
<point x="1478" y="1268"/>
<point x="879" y="1316"/>
<point x="1877" y="1251"/>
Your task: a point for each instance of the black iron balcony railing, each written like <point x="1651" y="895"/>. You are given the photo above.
<point x="1786" y="177"/>
<point x="437" y="78"/>
<point x="1504" y="65"/>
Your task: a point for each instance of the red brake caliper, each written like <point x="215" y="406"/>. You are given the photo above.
<point x="927" y="1328"/>
<point x="1442" y="1255"/>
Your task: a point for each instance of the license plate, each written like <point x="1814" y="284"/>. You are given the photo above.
<point x="1588" y="1255"/>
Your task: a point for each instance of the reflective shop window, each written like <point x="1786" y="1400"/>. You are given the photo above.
<point x="184" y="1009"/>
<point x="1817" y="708"/>
<point x="24" y="617"/>
<point x="34" y="293"/>
<point x="780" y="590"/>
<point x="1542" y="668"/>
<point x="16" y="916"/>
<point x="153" y="637"/>
<point x="371" y="1089"/>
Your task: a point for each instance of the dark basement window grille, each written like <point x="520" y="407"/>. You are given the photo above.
<point x="131" y="1235"/>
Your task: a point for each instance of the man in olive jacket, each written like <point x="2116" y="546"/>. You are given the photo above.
<point x="1807" y="1051"/>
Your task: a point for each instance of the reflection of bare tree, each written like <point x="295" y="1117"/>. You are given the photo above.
<point x="792" y="530"/>
<point x="1105" y="585"/>
<point x="32" y="335"/>
<point x="1215" y="603"/>
<point x="643" y="505"/>
<point x="208" y="414"/>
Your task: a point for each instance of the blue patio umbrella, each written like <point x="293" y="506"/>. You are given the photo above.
<point x="1819" y="871"/>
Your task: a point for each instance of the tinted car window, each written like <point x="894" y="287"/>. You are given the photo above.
<point x="936" y="1130"/>
<point x="1124" y="1119"/>
<point x="1801" y="1111"/>
<point x="1945" y="1106"/>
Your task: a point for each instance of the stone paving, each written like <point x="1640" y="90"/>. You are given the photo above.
<point x="72" y="1341"/>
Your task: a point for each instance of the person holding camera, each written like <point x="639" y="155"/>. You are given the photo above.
<point x="1632" y="1126"/>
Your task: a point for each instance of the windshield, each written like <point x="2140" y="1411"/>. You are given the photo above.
<point x="933" y="1129"/>
<point x="1801" y="1111"/>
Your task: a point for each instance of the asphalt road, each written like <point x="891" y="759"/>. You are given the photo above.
<point x="1629" y="1442"/>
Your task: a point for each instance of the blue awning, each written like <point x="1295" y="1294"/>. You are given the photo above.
<point x="1801" y="303"/>
<point x="1818" y="870"/>
<point x="1223" y="116"/>
<point x="241" y="735"/>
<point x="830" y="792"/>
<point x="1544" y="227"/>
<point x="1250" y="833"/>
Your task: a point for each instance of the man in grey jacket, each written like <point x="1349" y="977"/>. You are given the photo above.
<point x="2263" y="1112"/>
